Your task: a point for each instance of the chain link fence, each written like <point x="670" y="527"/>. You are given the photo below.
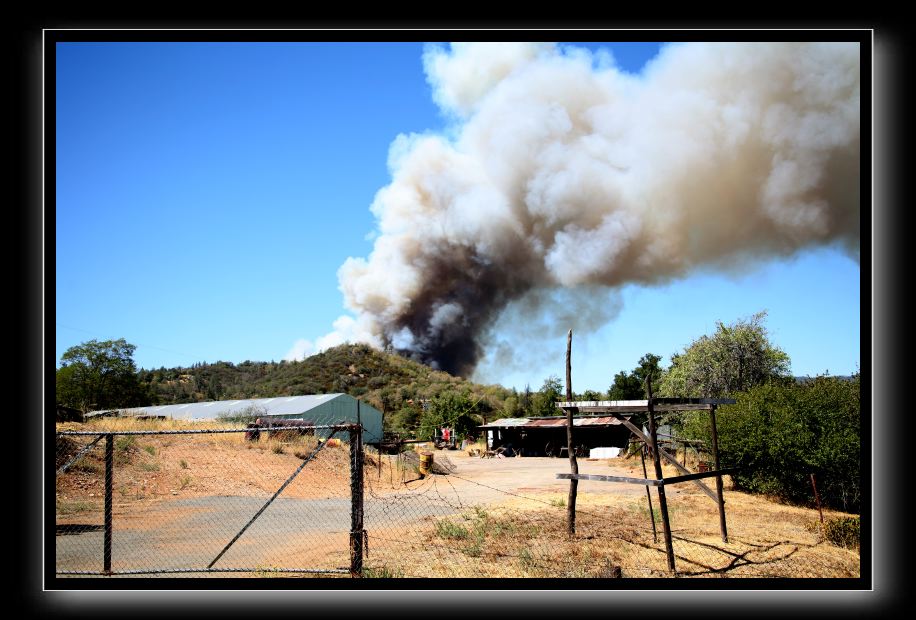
<point x="451" y="525"/>
<point x="211" y="502"/>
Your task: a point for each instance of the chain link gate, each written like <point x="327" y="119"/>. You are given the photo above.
<point x="209" y="501"/>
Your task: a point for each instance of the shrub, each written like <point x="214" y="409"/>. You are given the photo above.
<point x="781" y="432"/>
<point x="447" y="529"/>
<point x="842" y="531"/>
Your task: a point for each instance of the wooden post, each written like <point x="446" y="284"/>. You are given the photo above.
<point x="645" y="474"/>
<point x="662" y="500"/>
<point x="573" y="464"/>
<point x="109" y="482"/>
<point x="715" y="452"/>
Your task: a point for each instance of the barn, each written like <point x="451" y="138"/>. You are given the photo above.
<point x="546" y="436"/>
<point x="320" y="409"/>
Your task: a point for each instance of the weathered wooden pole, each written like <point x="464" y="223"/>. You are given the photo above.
<point x="573" y="465"/>
<point x="645" y="474"/>
<point x="715" y="453"/>
<point x="662" y="501"/>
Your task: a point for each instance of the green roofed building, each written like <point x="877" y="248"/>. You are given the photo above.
<point x="319" y="409"/>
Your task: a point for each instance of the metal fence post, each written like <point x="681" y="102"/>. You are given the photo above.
<point x="109" y="483"/>
<point x="357" y="533"/>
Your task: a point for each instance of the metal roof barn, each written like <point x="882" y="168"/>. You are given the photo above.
<point x="556" y="421"/>
<point x="321" y="409"/>
<point x="540" y="436"/>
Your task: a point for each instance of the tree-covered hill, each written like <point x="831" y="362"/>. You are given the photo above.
<point x="387" y="381"/>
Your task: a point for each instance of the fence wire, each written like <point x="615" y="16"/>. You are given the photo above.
<point x="204" y="502"/>
<point x="434" y="527"/>
<point x="190" y="504"/>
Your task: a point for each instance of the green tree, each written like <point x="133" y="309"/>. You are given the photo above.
<point x="632" y="385"/>
<point x="626" y="386"/>
<point x="734" y="359"/>
<point x="526" y="402"/>
<point x="452" y="409"/>
<point x="100" y="375"/>
<point x="544" y="402"/>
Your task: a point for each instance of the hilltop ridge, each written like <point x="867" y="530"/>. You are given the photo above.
<point x="385" y="380"/>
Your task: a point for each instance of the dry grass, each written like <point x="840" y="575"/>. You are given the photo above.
<point x="525" y="538"/>
<point x="161" y="467"/>
<point x="519" y="537"/>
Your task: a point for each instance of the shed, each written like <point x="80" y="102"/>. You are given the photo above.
<point x="547" y="435"/>
<point x="321" y="409"/>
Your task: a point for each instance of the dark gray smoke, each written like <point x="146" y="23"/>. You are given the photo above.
<point x="562" y="172"/>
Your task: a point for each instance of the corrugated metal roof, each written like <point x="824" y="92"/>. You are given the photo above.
<point x="558" y="422"/>
<point x="281" y="405"/>
<point x="603" y="403"/>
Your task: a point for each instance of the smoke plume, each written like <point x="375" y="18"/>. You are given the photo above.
<point x="562" y="172"/>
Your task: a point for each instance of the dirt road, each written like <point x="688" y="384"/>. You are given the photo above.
<point x="190" y="532"/>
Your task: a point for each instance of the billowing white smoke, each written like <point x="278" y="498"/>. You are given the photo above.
<point x="564" y="172"/>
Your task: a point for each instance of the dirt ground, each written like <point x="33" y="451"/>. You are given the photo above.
<point x="179" y="499"/>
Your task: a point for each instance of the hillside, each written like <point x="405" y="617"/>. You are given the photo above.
<point x="387" y="381"/>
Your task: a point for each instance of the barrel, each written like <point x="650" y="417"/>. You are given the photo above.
<point x="426" y="463"/>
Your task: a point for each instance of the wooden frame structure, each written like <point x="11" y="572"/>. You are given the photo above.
<point x="651" y="405"/>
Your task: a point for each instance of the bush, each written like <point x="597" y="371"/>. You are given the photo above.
<point x="842" y="531"/>
<point x="781" y="432"/>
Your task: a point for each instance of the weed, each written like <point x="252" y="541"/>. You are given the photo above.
<point x="559" y="502"/>
<point x="185" y="481"/>
<point x="69" y="508"/>
<point x="266" y="572"/>
<point x="151" y="450"/>
<point x="87" y="466"/>
<point x="447" y="529"/>
<point x="123" y="446"/>
<point x="382" y="572"/>
<point x="475" y="549"/>
<point x="643" y="511"/>
<point x="525" y="559"/>
<point x="183" y="464"/>
<point x="277" y="448"/>
<point x="149" y="466"/>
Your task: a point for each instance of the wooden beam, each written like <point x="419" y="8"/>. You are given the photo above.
<point x="715" y="452"/>
<point x="655" y="482"/>
<point x="645" y="474"/>
<point x="647" y="481"/>
<point x="606" y="478"/>
<point x="662" y="501"/>
<point x="635" y="408"/>
<point x="705" y="474"/>
<point x="638" y="432"/>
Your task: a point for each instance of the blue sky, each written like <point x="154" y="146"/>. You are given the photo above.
<point x="208" y="193"/>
